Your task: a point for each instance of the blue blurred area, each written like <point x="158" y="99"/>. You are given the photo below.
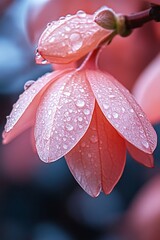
<point x="48" y="204"/>
<point x="17" y="63"/>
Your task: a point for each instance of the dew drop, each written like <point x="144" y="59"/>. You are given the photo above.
<point x="93" y="139"/>
<point x="28" y="84"/>
<point x="67" y="29"/>
<point x="69" y="127"/>
<point x="68" y="119"/>
<point x="67" y="94"/>
<point x="65" y="146"/>
<point x="33" y="90"/>
<point x="76" y="41"/>
<point x="123" y="109"/>
<point x="49" y="112"/>
<point x="80" y="119"/>
<point x="111" y="96"/>
<point x="83" y="144"/>
<point x="81" y="14"/>
<point x="66" y="114"/>
<point x="68" y="15"/>
<point x="89" y="155"/>
<point x="51" y="40"/>
<point x="145" y="144"/>
<point x="131" y="110"/>
<point x="81" y="90"/>
<point x="86" y="111"/>
<point x="105" y="105"/>
<point x="44" y="61"/>
<point x="80" y="103"/>
<point x="70" y="110"/>
<point x="115" y="114"/>
<point x="109" y="115"/>
<point x="140" y="115"/>
<point x="62" y="18"/>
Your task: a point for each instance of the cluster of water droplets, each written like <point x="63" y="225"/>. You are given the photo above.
<point x="69" y="34"/>
<point x="31" y="90"/>
<point x="122" y="111"/>
<point x="64" y="115"/>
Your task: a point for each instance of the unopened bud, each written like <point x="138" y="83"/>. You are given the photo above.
<point x="70" y="38"/>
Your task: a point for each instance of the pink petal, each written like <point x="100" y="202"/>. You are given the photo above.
<point x="122" y="111"/>
<point x="142" y="218"/>
<point x="23" y="112"/>
<point x="98" y="160"/>
<point x="147" y="90"/>
<point x="71" y="38"/>
<point x="140" y="156"/>
<point x="63" y="116"/>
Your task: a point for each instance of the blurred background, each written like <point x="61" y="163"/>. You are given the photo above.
<point x="41" y="201"/>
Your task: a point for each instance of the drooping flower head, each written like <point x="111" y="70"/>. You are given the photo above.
<point x="83" y="114"/>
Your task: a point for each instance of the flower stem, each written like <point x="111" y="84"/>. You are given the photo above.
<point x="136" y="20"/>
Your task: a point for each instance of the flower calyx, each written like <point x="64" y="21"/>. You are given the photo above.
<point x="108" y="19"/>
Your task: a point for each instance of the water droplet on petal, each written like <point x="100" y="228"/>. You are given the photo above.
<point x="83" y="144"/>
<point x="86" y="111"/>
<point x="109" y="115"/>
<point x="105" y="105"/>
<point x="68" y="119"/>
<point x="28" y="84"/>
<point x="67" y="29"/>
<point x="80" y="119"/>
<point x="111" y="96"/>
<point x="145" y="144"/>
<point x="80" y="103"/>
<point x="123" y="109"/>
<point x="51" y="40"/>
<point x="49" y="112"/>
<point x="76" y="41"/>
<point x="81" y="14"/>
<point x="62" y="18"/>
<point x="65" y="146"/>
<point x="115" y="114"/>
<point x="89" y="155"/>
<point x="131" y="110"/>
<point x="69" y="127"/>
<point x="94" y="139"/>
<point x="67" y="94"/>
<point x="68" y="15"/>
<point x="70" y="110"/>
<point x="44" y="61"/>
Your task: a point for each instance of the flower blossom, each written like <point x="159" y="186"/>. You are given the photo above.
<point x="147" y="90"/>
<point x="88" y="117"/>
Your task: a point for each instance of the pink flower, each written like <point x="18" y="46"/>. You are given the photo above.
<point x="147" y="90"/>
<point x="83" y="114"/>
<point x="90" y="118"/>
<point x="142" y="218"/>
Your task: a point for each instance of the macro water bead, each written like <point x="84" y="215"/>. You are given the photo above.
<point x="70" y="38"/>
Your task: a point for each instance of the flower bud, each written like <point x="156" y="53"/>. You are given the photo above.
<point x="70" y="38"/>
